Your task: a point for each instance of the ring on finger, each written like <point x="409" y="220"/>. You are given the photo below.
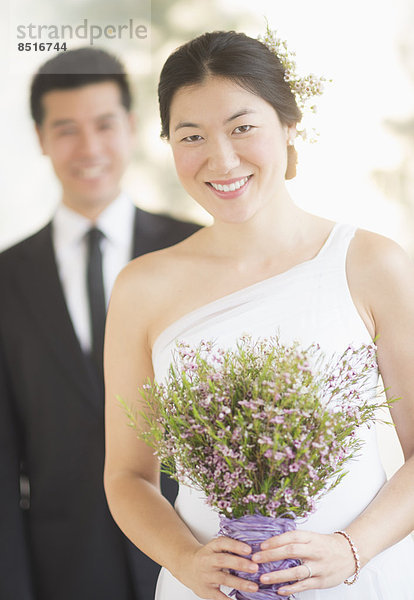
<point x="309" y="571"/>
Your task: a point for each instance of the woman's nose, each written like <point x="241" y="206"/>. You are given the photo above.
<point x="222" y="157"/>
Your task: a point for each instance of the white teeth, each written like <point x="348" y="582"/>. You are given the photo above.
<point x="91" y="172"/>
<point x="230" y="188"/>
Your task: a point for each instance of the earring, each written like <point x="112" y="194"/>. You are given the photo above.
<point x="292" y="160"/>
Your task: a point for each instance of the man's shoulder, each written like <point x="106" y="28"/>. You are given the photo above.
<point x="161" y="230"/>
<point x="162" y="221"/>
<point x="25" y="247"/>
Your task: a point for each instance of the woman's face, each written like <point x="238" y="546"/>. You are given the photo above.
<point x="229" y="148"/>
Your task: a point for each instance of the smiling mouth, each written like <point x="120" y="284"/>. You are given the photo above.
<point x="91" y="172"/>
<point x="232" y="186"/>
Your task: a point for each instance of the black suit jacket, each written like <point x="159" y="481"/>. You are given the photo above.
<point x="66" y="546"/>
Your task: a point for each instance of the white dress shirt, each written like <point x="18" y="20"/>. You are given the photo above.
<point x="69" y="228"/>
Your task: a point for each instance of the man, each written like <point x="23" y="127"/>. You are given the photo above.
<point x="54" y="288"/>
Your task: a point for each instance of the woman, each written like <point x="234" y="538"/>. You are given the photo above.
<point x="264" y="266"/>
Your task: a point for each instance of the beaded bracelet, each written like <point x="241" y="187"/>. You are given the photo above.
<point x="356" y="558"/>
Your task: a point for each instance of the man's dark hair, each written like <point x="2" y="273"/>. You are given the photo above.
<point x="74" y="69"/>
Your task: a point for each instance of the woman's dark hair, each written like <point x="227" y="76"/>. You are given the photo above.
<point x="74" y="69"/>
<point x="236" y="56"/>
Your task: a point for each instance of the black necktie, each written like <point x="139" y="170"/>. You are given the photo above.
<point x="96" y="297"/>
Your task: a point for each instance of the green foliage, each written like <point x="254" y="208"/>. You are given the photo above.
<point x="266" y="427"/>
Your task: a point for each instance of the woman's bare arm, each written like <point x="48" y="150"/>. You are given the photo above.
<point x="381" y="281"/>
<point x="131" y="470"/>
<point x="388" y="293"/>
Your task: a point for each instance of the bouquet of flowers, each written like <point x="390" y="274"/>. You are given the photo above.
<point x="263" y="430"/>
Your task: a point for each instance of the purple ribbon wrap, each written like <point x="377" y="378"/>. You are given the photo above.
<point x="253" y="530"/>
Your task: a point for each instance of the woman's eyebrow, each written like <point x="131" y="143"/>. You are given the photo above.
<point x="239" y="113"/>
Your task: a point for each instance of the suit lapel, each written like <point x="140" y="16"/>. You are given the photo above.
<point x="148" y="233"/>
<point x="40" y="284"/>
<point x="139" y="241"/>
<point x="152" y="232"/>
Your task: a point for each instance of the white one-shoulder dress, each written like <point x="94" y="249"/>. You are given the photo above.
<point x="309" y="303"/>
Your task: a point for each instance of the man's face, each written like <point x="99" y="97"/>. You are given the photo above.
<point x="87" y="133"/>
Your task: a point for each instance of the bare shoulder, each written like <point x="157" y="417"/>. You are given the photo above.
<point x="145" y="271"/>
<point x="381" y="279"/>
<point x="149" y="280"/>
<point x="378" y="259"/>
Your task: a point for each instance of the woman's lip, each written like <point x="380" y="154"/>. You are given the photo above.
<point x="227" y="181"/>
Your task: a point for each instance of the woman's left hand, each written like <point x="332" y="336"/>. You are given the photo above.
<point x="327" y="560"/>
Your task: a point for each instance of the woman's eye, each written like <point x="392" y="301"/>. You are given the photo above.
<point x="243" y="128"/>
<point x="192" y="138"/>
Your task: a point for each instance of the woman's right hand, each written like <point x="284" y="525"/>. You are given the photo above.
<point x="205" y="568"/>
